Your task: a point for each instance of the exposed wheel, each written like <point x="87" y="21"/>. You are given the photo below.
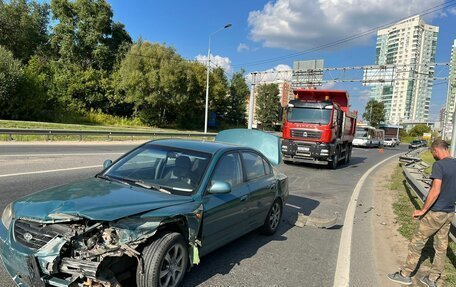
<point x="335" y="160"/>
<point x="273" y="219"/>
<point x="165" y="262"/>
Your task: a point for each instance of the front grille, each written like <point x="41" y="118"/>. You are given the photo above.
<point x="32" y="234"/>
<point x="309" y="134"/>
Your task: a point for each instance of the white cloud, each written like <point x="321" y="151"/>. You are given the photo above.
<point x="243" y="47"/>
<point x="216" y="61"/>
<point x="328" y="86"/>
<point x="452" y="10"/>
<point x="302" y="24"/>
<point x="264" y="77"/>
<point x="282" y="67"/>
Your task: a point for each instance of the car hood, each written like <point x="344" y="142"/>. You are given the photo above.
<point x="95" y="199"/>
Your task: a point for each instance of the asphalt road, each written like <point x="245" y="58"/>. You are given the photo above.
<point x="292" y="257"/>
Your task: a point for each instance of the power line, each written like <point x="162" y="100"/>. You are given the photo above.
<point x="346" y="39"/>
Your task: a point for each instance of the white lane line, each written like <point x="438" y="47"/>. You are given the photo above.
<point x="294" y="206"/>
<point x="49" y="171"/>
<point x="342" y="275"/>
<point x="58" y="154"/>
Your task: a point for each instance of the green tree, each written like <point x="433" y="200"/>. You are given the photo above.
<point x="152" y="77"/>
<point x="237" y="101"/>
<point x="85" y="33"/>
<point x="23" y="27"/>
<point x="374" y="113"/>
<point x="266" y="105"/>
<point x="419" y="130"/>
<point x="11" y="77"/>
<point x="219" y="94"/>
<point x="34" y="96"/>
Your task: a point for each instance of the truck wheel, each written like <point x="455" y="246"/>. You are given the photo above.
<point x="335" y="160"/>
<point x="287" y="161"/>
<point x="165" y="262"/>
<point x="348" y="155"/>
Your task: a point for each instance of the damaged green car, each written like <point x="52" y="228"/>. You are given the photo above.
<point x="148" y="217"/>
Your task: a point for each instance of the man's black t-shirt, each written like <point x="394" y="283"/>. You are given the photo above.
<point x="445" y="169"/>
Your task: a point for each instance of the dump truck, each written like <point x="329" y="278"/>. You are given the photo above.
<point x="318" y="127"/>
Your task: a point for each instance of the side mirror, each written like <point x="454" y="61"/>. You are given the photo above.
<point x="220" y="187"/>
<point x="107" y="163"/>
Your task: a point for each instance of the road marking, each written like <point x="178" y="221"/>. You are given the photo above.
<point x="294" y="206"/>
<point x="342" y="275"/>
<point x="58" y="154"/>
<point x="49" y="171"/>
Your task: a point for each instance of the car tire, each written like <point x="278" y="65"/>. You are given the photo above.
<point x="165" y="262"/>
<point x="272" y="221"/>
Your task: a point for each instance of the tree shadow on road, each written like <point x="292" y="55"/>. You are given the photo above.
<point x="223" y="260"/>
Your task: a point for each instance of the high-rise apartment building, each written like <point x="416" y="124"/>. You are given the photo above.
<point x="409" y="45"/>
<point x="450" y="107"/>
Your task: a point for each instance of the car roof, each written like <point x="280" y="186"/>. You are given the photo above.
<point x="195" y="145"/>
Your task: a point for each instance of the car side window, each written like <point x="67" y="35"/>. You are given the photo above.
<point x="267" y="167"/>
<point x="228" y="169"/>
<point x="253" y="164"/>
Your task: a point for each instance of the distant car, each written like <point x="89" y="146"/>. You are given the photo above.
<point x="416" y="144"/>
<point x="389" y="142"/>
<point x="424" y="143"/>
<point x="149" y="216"/>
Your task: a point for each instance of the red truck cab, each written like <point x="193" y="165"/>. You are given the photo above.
<point x="318" y="127"/>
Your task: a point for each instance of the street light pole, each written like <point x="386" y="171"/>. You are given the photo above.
<point x="206" y="114"/>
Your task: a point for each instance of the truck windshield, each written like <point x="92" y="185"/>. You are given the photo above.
<point x="309" y="115"/>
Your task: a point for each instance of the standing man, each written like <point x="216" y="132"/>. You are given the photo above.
<point x="435" y="218"/>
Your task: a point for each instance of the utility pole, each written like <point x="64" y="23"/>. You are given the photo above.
<point x="252" y="99"/>
<point x="453" y="137"/>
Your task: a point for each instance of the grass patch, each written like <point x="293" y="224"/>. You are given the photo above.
<point x="405" y="203"/>
<point x="429" y="159"/>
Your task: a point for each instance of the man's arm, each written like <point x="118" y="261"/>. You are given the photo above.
<point x="434" y="193"/>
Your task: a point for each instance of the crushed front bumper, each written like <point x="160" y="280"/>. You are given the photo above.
<point x="22" y="265"/>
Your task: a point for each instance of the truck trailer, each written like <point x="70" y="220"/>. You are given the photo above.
<point x="318" y="127"/>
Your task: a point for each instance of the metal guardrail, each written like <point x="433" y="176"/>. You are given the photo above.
<point x="50" y="133"/>
<point x="413" y="168"/>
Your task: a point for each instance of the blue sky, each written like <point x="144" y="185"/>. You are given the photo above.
<point x="265" y="30"/>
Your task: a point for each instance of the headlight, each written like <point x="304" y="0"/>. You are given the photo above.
<point x="7" y="215"/>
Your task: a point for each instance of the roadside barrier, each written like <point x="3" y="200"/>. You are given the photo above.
<point x="413" y="168"/>
<point x="50" y="133"/>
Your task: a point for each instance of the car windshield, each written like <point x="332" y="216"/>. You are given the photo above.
<point x="388" y="139"/>
<point x="416" y="142"/>
<point x="160" y="168"/>
<point x="309" y="115"/>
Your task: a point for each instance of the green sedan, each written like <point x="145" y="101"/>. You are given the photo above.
<point x="147" y="218"/>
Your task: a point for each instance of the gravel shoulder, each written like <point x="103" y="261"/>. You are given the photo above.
<point x="390" y="247"/>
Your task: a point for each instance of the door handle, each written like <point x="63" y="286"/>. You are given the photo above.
<point x="244" y="197"/>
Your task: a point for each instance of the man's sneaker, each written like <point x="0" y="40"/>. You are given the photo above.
<point x="399" y="278"/>
<point x="426" y="281"/>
